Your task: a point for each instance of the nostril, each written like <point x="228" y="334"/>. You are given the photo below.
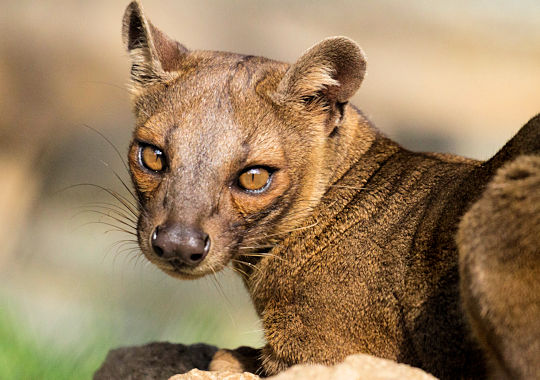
<point x="157" y="249"/>
<point x="175" y="242"/>
<point x="196" y="257"/>
<point x="206" y="244"/>
<point x="200" y="255"/>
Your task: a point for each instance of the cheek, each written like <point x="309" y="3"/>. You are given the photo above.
<point x="223" y="236"/>
<point x="144" y="229"/>
<point x="246" y="203"/>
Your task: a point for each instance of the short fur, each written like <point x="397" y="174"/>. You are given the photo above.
<point x="351" y="248"/>
<point x="499" y="243"/>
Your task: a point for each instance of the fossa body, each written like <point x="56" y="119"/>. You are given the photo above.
<point x="344" y="239"/>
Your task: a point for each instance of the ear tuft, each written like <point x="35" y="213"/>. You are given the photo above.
<point x="333" y="68"/>
<point x="154" y="56"/>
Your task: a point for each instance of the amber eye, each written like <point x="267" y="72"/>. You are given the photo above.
<point x="254" y="179"/>
<point x="152" y="158"/>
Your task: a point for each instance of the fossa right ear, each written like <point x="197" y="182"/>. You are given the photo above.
<point x="154" y="56"/>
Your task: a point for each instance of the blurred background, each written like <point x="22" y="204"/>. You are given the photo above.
<point x="458" y="76"/>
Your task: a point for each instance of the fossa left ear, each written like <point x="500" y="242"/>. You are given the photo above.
<point x="328" y="74"/>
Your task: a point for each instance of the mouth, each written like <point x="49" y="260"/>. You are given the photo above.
<point x="178" y="269"/>
<point x="214" y="261"/>
<point x="175" y="268"/>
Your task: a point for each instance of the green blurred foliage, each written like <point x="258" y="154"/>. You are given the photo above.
<point x="27" y="356"/>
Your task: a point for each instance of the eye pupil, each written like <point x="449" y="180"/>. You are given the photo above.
<point x="254" y="179"/>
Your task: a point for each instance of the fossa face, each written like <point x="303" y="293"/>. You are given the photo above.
<point x="230" y="152"/>
<point x="213" y="166"/>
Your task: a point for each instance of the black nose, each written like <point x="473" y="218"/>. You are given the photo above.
<point x="176" y="242"/>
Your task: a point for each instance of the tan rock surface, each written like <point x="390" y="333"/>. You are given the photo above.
<point x="355" y="367"/>
<point x="196" y="374"/>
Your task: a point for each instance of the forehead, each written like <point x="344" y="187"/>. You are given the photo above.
<point x="209" y="79"/>
<point x="215" y="106"/>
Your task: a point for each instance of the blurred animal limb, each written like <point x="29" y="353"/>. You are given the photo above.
<point x="499" y="245"/>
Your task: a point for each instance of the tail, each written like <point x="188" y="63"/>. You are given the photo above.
<point x="499" y="248"/>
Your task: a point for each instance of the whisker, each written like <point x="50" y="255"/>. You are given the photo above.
<point x="252" y="331"/>
<point x="262" y="255"/>
<point x="116" y="228"/>
<point x="121" y="181"/>
<point x="110" y="212"/>
<point x="216" y="282"/>
<point x="130" y="206"/>
<point x="348" y="187"/>
<point x="125" y="201"/>
<point x="221" y="291"/>
<point x="285" y="232"/>
<point x="121" y="244"/>
<point x="246" y="263"/>
<point x="298" y="202"/>
<point x="129" y="251"/>
<point x="108" y="84"/>
<point x="125" y="252"/>
<point x="110" y="143"/>
<point x="117" y="211"/>
<point x="112" y="217"/>
<point x="133" y="261"/>
<point x="239" y="271"/>
<point x="257" y="246"/>
<point x="117" y="245"/>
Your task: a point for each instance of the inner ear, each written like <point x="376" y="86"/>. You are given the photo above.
<point x="326" y="77"/>
<point x="334" y="110"/>
<point x="154" y="56"/>
<point x="169" y="52"/>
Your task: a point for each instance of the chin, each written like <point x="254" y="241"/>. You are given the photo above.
<point x="192" y="273"/>
<point x="182" y="275"/>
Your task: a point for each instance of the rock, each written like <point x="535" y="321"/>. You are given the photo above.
<point x="196" y="374"/>
<point x="158" y="360"/>
<point x="355" y="367"/>
<point x="163" y="360"/>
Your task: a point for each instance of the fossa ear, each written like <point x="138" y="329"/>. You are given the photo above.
<point x="154" y="56"/>
<point x="327" y="75"/>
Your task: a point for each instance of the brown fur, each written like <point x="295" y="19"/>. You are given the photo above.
<point x="351" y="248"/>
<point x="499" y="243"/>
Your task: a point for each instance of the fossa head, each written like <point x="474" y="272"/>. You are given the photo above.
<point x="231" y="151"/>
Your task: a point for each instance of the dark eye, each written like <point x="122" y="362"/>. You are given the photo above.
<point x="255" y="179"/>
<point x="152" y="158"/>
